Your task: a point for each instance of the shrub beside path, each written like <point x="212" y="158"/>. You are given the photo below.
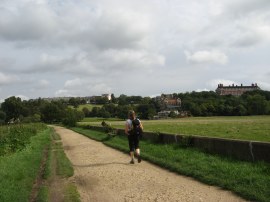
<point x="104" y="174"/>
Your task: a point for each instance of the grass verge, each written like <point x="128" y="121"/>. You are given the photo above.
<point x="71" y="194"/>
<point x="43" y="194"/>
<point x="63" y="165"/>
<point x="249" y="180"/>
<point x="19" y="170"/>
<point x="58" y="169"/>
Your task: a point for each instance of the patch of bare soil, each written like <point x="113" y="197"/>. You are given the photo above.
<point x="104" y="174"/>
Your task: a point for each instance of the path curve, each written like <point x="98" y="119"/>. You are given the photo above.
<point x="104" y="174"/>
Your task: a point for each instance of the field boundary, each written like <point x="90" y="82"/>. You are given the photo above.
<point x="239" y="149"/>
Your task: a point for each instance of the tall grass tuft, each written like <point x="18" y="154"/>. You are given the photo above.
<point x="15" y="137"/>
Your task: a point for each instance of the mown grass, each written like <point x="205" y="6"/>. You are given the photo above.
<point x="58" y="167"/>
<point x="43" y="194"/>
<point x="63" y="165"/>
<point x="249" y="180"/>
<point x="256" y="128"/>
<point x="99" y="120"/>
<point x="71" y="194"/>
<point x="88" y="106"/>
<point x="19" y="170"/>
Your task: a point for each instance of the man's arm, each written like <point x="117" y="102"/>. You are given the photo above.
<point x="141" y="126"/>
<point x="126" y="129"/>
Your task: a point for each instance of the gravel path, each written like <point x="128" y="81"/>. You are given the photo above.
<point x="104" y="174"/>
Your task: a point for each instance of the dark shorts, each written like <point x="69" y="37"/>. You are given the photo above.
<point x="133" y="141"/>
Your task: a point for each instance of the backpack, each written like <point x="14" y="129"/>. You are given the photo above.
<point x="136" y="127"/>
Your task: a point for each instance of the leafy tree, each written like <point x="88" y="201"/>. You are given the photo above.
<point x="122" y="100"/>
<point x="146" y="111"/>
<point x="257" y="105"/>
<point x="101" y="100"/>
<point x="172" y="114"/>
<point x="2" y="117"/>
<point x="94" y="112"/>
<point x="52" y="112"/>
<point x="122" y="111"/>
<point x="113" y="99"/>
<point x="12" y="106"/>
<point x="32" y="119"/>
<point x="111" y="108"/>
<point x="75" y="102"/>
<point x="86" y="111"/>
<point x="72" y="117"/>
<point x="103" y="113"/>
<point x="195" y="110"/>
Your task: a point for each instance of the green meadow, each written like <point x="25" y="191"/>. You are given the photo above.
<point x="88" y="106"/>
<point x="256" y="128"/>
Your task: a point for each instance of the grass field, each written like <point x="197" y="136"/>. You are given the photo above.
<point x="249" y="180"/>
<point x="19" y="170"/>
<point x="97" y="120"/>
<point x="255" y="128"/>
<point x="89" y="106"/>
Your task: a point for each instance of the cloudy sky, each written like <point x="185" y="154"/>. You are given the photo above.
<point x="80" y="47"/>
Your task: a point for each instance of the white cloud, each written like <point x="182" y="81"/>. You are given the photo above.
<point x="75" y="83"/>
<point x="63" y="93"/>
<point x="208" y="57"/>
<point x="202" y="90"/>
<point x="264" y="85"/>
<point x="7" y="79"/>
<point x="129" y="59"/>
<point x="83" y="87"/>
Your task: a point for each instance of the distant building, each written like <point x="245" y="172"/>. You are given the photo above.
<point x="50" y="99"/>
<point x="108" y="96"/>
<point x="235" y="90"/>
<point x="169" y="102"/>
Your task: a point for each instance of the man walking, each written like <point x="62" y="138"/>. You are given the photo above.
<point x="133" y="129"/>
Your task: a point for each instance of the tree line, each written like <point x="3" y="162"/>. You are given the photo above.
<point x="194" y="103"/>
<point x="13" y="109"/>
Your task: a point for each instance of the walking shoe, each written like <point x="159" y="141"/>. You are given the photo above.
<point x="132" y="162"/>
<point x="139" y="159"/>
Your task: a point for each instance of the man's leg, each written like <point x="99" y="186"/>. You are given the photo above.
<point x="137" y="149"/>
<point x="131" y="148"/>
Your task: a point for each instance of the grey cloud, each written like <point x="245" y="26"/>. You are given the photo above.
<point x="242" y="7"/>
<point x="238" y="24"/>
<point x="107" y="62"/>
<point x="100" y="43"/>
<point x="5" y="63"/>
<point x="29" y="22"/>
<point x="40" y="25"/>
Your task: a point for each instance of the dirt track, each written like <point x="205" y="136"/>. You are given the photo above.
<point x="104" y="174"/>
